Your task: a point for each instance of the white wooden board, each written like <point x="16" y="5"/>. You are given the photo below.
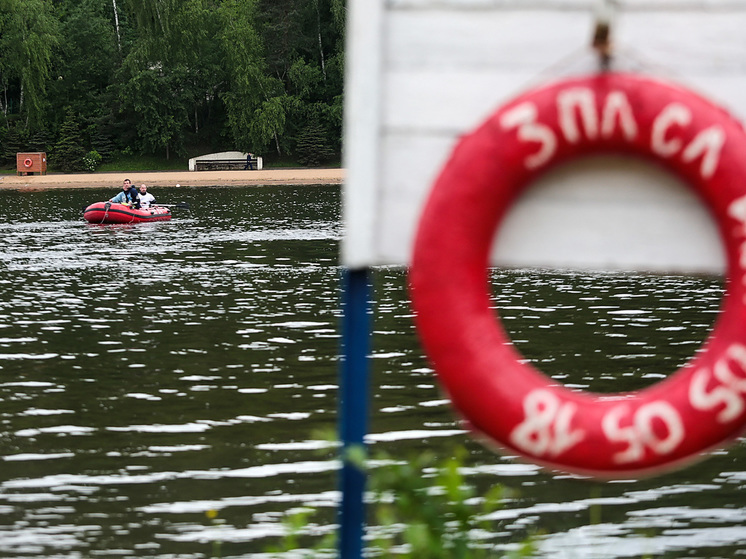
<point x="422" y="72"/>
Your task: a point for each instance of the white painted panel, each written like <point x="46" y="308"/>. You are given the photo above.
<point x="399" y="202"/>
<point x="446" y="64"/>
<point x="589" y="214"/>
<point x="362" y="124"/>
<point x="584" y="5"/>
<point x="486" y="39"/>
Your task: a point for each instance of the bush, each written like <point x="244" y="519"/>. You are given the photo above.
<point x="425" y="509"/>
<point x="91" y="161"/>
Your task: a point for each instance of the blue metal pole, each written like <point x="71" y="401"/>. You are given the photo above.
<point x="353" y="407"/>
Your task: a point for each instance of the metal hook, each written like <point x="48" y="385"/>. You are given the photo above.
<point x="602" y="33"/>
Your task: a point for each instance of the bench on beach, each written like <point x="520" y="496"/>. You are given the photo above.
<point x="224" y="164"/>
<point x="224" y="161"/>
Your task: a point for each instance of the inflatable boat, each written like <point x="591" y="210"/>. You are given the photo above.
<point x="106" y="212"/>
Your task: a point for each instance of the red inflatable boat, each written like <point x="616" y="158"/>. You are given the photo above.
<point x="106" y="212"/>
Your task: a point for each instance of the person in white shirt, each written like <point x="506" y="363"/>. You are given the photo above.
<point x="145" y="198"/>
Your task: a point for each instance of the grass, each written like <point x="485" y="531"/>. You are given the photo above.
<point x="143" y="163"/>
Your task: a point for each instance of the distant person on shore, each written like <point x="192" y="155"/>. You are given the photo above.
<point x="249" y="163"/>
<point x="128" y="195"/>
<point x="144" y="198"/>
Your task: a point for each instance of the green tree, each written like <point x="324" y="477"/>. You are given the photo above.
<point x="255" y="101"/>
<point x="29" y="35"/>
<point x="305" y="52"/>
<point x="14" y="141"/>
<point x="313" y="147"/>
<point x="153" y="96"/>
<point x="69" y="150"/>
<point x="171" y="76"/>
<point x="278" y="23"/>
<point x="153" y="16"/>
<point x="87" y="59"/>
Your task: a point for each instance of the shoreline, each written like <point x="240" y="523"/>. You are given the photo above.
<point x="161" y="179"/>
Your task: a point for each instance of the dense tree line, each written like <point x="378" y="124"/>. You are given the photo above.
<point x="170" y="77"/>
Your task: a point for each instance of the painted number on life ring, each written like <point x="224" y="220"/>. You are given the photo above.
<point x="546" y="429"/>
<point x="641" y="433"/>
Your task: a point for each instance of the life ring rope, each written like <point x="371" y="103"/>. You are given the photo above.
<point x="699" y="407"/>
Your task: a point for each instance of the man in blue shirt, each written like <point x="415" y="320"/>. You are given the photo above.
<point x="128" y="195"/>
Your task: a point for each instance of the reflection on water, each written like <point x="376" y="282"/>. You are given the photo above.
<point x="598" y="330"/>
<point x="151" y="373"/>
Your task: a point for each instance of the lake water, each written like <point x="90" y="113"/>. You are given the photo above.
<point x="152" y="373"/>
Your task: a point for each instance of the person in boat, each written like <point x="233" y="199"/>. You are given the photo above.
<point x="144" y="198"/>
<point x="128" y="195"/>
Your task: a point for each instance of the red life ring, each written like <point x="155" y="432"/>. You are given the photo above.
<point x="27" y="162"/>
<point x="699" y="407"/>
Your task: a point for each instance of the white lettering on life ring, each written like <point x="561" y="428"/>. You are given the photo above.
<point x="640" y="434"/>
<point x="546" y="428"/>
<point x="737" y="210"/>
<point x="618" y="107"/>
<point x="675" y="113"/>
<point x="523" y="117"/>
<point x="578" y="118"/>
<point x="580" y="100"/>
<point x="708" y="143"/>
<point x="730" y="390"/>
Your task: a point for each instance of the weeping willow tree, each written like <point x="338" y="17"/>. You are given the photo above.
<point x="170" y="72"/>
<point x="29" y="35"/>
<point x="255" y="101"/>
<point x="153" y="16"/>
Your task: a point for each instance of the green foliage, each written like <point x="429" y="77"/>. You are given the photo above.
<point x="429" y="507"/>
<point x="14" y="141"/>
<point x="167" y="76"/>
<point x="29" y="35"/>
<point x="304" y="78"/>
<point x="151" y="95"/>
<point x="41" y="140"/>
<point x="69" y="152"/>
<point x="254" y="101"/>
<point x="91" y="161"/>
<point x="313" y="148"/>
<point x="424" y="507"/>
<point x="297" y="524"/>
<point x="102" y="143"/>
<point x="339" y="15"/>
<point x="86" y="61"/>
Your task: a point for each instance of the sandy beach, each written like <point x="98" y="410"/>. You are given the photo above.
<point x="174" y="179"/>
